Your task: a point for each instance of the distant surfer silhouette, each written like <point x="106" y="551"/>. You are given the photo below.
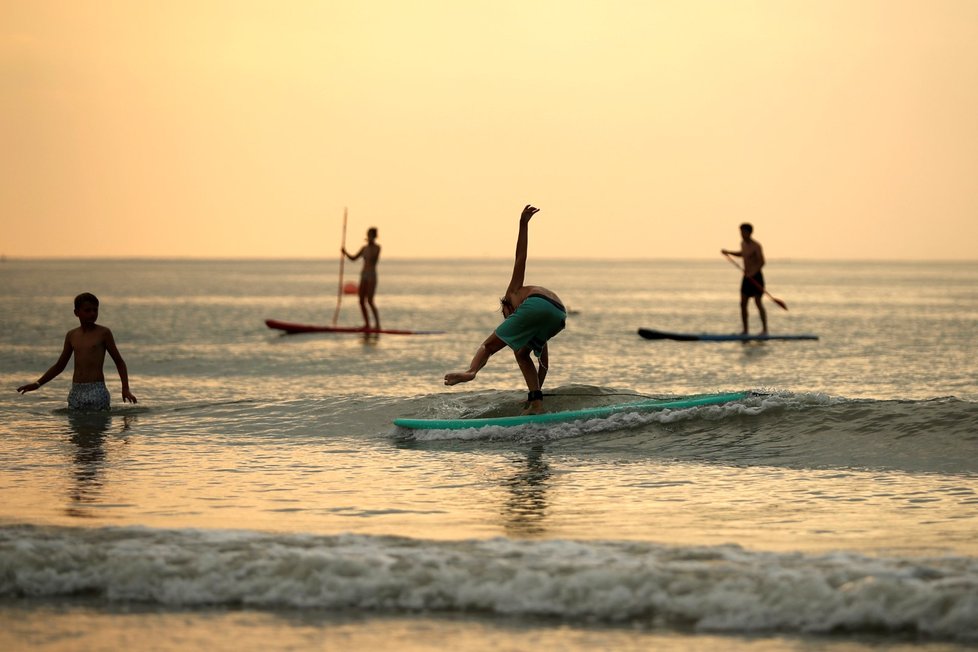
<point x="752" y="285"/>
<point x="370" y="253"/>
<point x="533" y="315"/>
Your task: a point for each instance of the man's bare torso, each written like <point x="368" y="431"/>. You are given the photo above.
<point x="518" y="297"/>
<point x="371" y="254"/>
<point x="753" y="256"/>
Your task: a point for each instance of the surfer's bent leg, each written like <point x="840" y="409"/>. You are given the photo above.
<point x="523" y="359"/>
<point x="528" y="369"/>
<point x="491" y="346"/>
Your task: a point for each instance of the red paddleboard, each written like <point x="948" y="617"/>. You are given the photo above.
<point x="291" y="329"/>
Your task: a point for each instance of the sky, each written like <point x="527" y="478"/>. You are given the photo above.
<point x="645" y="129"/>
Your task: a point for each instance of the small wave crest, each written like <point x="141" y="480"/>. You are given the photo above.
<point x="770" y="426"/>
<point x="718" y="589"/>
<point x="572" y="398"/>
<point x="531" y="432"/>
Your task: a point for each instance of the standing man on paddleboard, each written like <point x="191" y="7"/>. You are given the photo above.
<point x="752" y="285"/>
<point x="368" y="276"/>
<point x="533" y="315"/>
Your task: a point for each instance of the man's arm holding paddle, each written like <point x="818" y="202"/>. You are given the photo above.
<point x="753" y="256"/>
<point x="749" y="277"/>
<point x="352" y="256"/>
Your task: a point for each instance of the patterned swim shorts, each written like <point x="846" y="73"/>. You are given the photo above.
<point x="88" y="396"/>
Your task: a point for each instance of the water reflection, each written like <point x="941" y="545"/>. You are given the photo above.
<point x="525" y="509"/>
<point x="87" y="434"/>
<point x="754" y="350"/>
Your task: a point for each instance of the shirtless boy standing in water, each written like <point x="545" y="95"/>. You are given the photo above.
<point x="533" y="315"/>
<point x="752" y="284"/>
<point x="89" y="343"/>
<point x="368" y="276"/>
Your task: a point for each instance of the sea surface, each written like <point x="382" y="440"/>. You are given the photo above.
<point x="258" y="496"/>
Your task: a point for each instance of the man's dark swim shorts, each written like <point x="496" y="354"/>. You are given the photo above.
<point x="751" y="289"/>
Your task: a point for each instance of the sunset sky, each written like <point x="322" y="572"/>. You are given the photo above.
<point x="843" y="129"/>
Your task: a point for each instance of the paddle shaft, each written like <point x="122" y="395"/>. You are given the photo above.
<point x="339" y="293"/>
<point x="758" y="285"/>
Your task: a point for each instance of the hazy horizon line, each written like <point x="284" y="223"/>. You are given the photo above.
<point x="5" y="258"/>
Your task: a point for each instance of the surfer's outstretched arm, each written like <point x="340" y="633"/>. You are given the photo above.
<point x="491" y="346"/>
<point x="519" y="266"/>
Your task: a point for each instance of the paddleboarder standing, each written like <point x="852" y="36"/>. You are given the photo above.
<point x="533" y="315"/>
<point x="370" y="253"/>
<point x="752" y="284"/>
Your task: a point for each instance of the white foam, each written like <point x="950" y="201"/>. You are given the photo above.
<point x="723" y="588"/>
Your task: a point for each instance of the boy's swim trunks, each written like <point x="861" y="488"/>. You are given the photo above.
<point x="535" y="321"/>
<point x="88" y="396"/>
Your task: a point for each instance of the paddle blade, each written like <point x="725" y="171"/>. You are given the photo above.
<point x="780" y="303"/>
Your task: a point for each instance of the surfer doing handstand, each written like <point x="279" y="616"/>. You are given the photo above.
<point x="533" y="315"/>
<point x="368" y="276"/>
<point x="752" y="284"/>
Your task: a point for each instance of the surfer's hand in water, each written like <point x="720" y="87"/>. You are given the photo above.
<point x="528" y="212"/>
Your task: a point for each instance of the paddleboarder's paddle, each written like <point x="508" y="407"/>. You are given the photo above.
<point x="339" y="294"/>
<point x="758" y="285"/>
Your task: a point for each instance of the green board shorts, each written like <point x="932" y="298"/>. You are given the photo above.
<point x="534" y="321"/>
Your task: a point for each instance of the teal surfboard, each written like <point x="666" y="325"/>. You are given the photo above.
<point x="573" y="415"/>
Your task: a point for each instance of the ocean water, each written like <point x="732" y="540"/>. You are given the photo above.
<point x="259" y="497"/>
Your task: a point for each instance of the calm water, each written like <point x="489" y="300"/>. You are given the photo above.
<point x="258" y="495"/>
